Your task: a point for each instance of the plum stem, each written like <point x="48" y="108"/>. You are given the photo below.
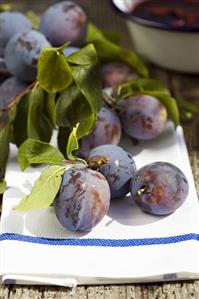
<point x="61" y="49"/>
<point x="17" y="98"/>
<point x="78" y="161"/>
<point x="141" y="191"/>
<point x="35" y="86"/>
<point x="109" y="98"/>
<point x="96" y="162"/>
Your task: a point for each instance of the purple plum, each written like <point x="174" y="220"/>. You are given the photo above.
<point x="83" y="199"/>
<point x="142" y="117"/>
<point x="116" y="73"/>
<point x="10" y="24"/>
<point x="159" y="188"/>
<point x="22" y="53"/>
<point x="106" y="131"/>
<point x="118" y="168"/>
<point x="63" y="22"/>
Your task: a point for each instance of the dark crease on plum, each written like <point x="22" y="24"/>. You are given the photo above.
<point x="25" y="44"/>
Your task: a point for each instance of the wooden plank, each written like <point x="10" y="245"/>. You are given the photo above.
<point x="186" y="290"/>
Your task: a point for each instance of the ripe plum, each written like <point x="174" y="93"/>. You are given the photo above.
<point x="63" y="22"/>
<point x="115" y="73"/>
<point x="159" y="188"/>
<point x="142" y="117"/>
<point x="83" y="199"/>
<point x="107" y="130"/>
<point x="22" y="53"/>
<point x="118" y="170"/>
<point x="10" y="24"/>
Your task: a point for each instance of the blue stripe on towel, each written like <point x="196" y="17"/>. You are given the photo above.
<point x="100" y="242"/>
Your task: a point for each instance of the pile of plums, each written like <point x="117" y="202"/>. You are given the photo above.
<point x="86" y="191"/>
<point x="84" y="197"/>
<point x="21" y="46"/>
<point x="141" y="117"/>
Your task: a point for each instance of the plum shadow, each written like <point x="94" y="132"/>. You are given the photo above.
<point x="127" y="212"/>
<point x="44" y="223"/>
<point x="163" y="141"/>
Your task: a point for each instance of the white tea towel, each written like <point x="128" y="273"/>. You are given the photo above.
<point x="126" y="246"/>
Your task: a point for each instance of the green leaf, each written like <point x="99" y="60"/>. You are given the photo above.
<point x="34" y="152"/>
<point x="140" y="84"/>
<point x="4" y="142"/>
<point x="93" y="33"/>
<point x="108" y="51"/>
<point x="21" y="120"/>
<point x="44" y="190"/>
<point x="54" y="73"/>
<point x="88" y="80"/>
<point x="34" y="18"/>
<point x="12" y="111"/>
<point x="152" y="88"/>
<point x="50" y="107"/>
<point x="3" y="186"/>
<point x="35" y="117"/>
<point x="170" y="105"/>
<point x="72" y="145"/>
<point x="166" y="100"/>
<point x="62" y="139"/>
<point x="114" y="36"/>
<point x="87" y="96"/>
<point x="68" y="115"/>
<point x="39" y="124"/>
<point x="85" y="56"/>
<point x="4" y="119"/>
<point x="187" y="106"/>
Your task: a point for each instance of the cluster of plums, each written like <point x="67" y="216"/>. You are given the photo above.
<point x="141" y="117"/>
<point x="85" y="192"/>
<point x="21" y="45"/>
<point x="84" y="197"/>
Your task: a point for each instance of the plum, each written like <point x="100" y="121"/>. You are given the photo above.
<point x="142" y="117"/>
<point x="115" y="73"/>
<point x="159" y="188"/>
<point x="9" y="89"/>
<point x="63" y="22"/>
<point x="107" y="131"/>
<point x="22" y="53"/>
<point x="83" y="199"/>
<point x="118" y="169"/>
<point x="10" y="24"/>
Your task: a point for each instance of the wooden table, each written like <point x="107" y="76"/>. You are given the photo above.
<point x="183" y="86"/>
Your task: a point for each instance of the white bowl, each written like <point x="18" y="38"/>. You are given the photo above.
<point x="168" y="46"/>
